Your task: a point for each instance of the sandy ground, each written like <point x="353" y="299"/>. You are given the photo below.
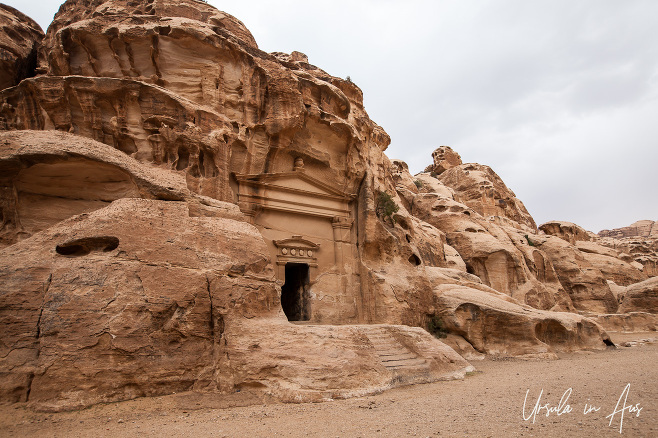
<point x="488" y="403"/>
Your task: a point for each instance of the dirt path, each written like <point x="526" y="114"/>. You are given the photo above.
<point x="488" y="403"/>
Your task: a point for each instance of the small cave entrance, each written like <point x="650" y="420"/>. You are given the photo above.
<point x="295" y="299"/>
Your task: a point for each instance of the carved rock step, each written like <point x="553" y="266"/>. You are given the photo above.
<point x="393" y="355"/>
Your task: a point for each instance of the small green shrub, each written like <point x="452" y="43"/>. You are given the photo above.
<point x="418" y="183"/>
<point x="437" y="327"/>
<point x="386" y="206"/>
<point x="529" y="241"/>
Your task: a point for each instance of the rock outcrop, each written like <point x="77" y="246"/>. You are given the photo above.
<point x="50" y="176"/>
<point x="566" y="231"/>
<point x="585" y="265"/>
<point x="500" y="255"/>
<point x="640" y="297"/>
<point x="645" y="228"/>
<point x="480" y="188"/>
<point x="19" y="39"/>
<point x="638" y="244"/>
<point x="150" y="117"/>
<point x="493" y="323"/>
<point x="443" y="158"/>
<point x="143" y="298"/>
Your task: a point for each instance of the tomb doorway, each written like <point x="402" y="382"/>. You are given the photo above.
<point x="295" y="297"/>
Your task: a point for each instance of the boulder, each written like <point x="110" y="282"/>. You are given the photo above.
<point x="640" y="297"/>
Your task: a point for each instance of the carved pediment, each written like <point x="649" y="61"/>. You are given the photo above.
<point x="293" y="181"/>
<point x="296" y="249"/>
<point x="293" y="192"/>
<point x="298" y="242"/>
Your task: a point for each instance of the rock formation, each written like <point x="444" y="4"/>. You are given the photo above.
<point x="638" y="244"/>
<point x="181" y="210"/>
<point x="640" y="297"/>
<point x="644" y="228"/>
<point x="443" y="158"/>
<point x="19" y="38"/>
<point x="481" y="188"/>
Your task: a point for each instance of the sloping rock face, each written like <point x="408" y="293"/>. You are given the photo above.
<point x="610" y="264"/>
<point x="585" y="284"/>
<point x="19" y="38"/>
<point x="584" y="264"/>
<point x="480" y="188"/>
<point x="498" y="254"/>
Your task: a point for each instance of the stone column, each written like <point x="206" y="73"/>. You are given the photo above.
<point x="342" y="227"/>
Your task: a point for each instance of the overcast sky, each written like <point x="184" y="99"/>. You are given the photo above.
<point x="559" y="97"/>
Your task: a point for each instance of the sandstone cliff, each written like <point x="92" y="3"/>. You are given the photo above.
<point x="19" y="39"/>
<point x="638" y="243"/>
<point x="181" y="210"/>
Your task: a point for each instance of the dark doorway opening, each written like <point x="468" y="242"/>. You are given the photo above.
<point x="295" y="299"/>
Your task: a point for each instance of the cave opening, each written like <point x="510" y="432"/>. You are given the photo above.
<point x="295" y="297"/>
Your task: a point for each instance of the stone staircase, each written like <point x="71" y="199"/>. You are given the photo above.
<point x="404" y="364"/>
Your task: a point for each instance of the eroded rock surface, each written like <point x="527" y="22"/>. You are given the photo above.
<point x="503" y="259"/>
<point x="566" y="231"/>
<point x="638" y="243"/>
<point x="480" y="188"/>
<point x="645" y="228"/>
<point x="443" y="158"/>
<point x="163" y="301"/>
<point x="585" y="283"/>
<point x="640" y="297"/>
<point x="19" y="40"/>
<point x="137" y="291"/>
<point x="48" y="177"/>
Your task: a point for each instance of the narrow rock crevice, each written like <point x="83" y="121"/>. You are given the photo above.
<point x="37" y="337"/>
